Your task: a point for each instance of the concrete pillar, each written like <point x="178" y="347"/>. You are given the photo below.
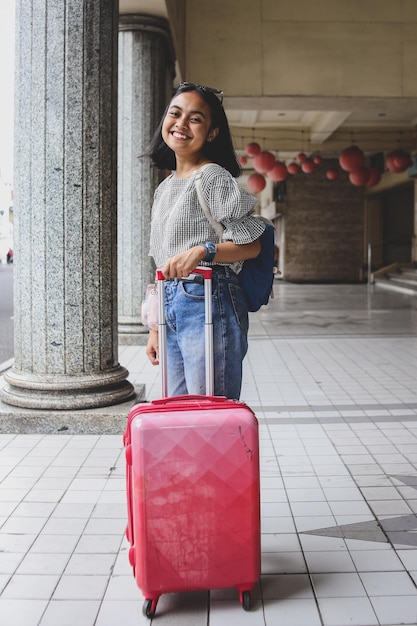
<point x="146" y="71"/>
<point x="65" y="232"/>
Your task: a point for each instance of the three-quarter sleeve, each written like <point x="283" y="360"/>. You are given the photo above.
<point x="231" y="205"/>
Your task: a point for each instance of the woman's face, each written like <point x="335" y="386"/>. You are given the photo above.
<point x="187" y="124"/>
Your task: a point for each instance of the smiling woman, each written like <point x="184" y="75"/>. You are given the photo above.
<point x="194" y="132"/>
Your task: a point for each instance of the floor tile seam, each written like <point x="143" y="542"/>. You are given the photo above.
<point x="373" y="455"/>
<point x="285" y="488"/>
<point x="109" y="577"/>
<point x="330" y="406"/>
<point x="51" y="600"/>
<point x="318" y="597"/>
<point x="21" y="459"/>
<point x="358" y="487"/>
<point x="371" y="412"/>
<point x="304" y="337"/>
<point x="47" y="600"/>
<point x="323" y="421"/>
<point x="82" y="466"/>
<point x="409" y="431"/>
<point x="325" y="499"/>
<point x="303" y="575"/>
<point x="47" y="466"/>
<point x="35" y="535"/>
<point x="11" y="436"/>
<point x="378" y="517"/>
<point x="275" y="357"/>
<point x="47" y="519"/>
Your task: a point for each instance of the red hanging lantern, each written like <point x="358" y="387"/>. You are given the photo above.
<point x="317" y="159"/>
<point x="301" y="157"/>
<point x="308" y="166"/>
<point x="351" y="158"/>
<point x="243" y="160"/>
<point x="374" y="177"/>
<point x="263" y="162"/>
<point x="332" y="174"/>
<point x="360" y="176"/>
<point x="252" y="149"/>
<point x="398" y="161"/>
<point x="403" y="161"/>
<point x="293" y="168"/>
<point x="256" y="183"/>
<point x="279" y="172"/>
<point x="389" y="163"/>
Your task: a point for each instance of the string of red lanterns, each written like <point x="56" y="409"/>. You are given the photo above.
<point x="351" y="160"/>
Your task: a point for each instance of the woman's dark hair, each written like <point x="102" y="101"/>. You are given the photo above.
<point x="220" y="150"/>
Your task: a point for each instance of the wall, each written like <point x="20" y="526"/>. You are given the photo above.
<point x="327" y="48"/>
<point x="324" y="228"/>
<point x="177" y="19"/>
<point x="391" y="218"/>
<point x="398" y="222"/>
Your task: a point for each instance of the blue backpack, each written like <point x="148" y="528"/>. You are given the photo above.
<point x="257" y="275"/>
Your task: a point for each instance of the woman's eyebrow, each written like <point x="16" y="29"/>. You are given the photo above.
<point x="175" y="106"/>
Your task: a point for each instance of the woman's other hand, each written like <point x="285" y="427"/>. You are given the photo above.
<point x="152" y="347"/>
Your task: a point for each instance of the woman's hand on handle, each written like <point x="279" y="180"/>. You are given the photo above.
<point x="183" y="264"/>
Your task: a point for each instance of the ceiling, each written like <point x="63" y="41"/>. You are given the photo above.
<point x="325" y="124"/>
<point x="325" y="121"/>
<point x="149" y="7"/>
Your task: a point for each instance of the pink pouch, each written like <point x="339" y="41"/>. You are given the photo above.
<point x="150" y="308"/>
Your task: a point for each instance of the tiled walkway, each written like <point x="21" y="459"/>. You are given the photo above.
<point x="332" y="376"/>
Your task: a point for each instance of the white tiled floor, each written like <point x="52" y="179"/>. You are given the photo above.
<point x="331" y="374"/>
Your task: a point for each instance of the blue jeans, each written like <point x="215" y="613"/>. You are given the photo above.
<point x="185" y="319"/>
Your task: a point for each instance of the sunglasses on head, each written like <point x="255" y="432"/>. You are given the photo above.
<point x="216" y="92"/>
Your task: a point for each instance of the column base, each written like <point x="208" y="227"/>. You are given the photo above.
<point x="63" y="392"/>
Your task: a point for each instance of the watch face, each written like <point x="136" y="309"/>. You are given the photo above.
<point x="210" y="249"/>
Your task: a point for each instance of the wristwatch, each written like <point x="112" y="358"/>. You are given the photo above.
<point x="211" y="250"/>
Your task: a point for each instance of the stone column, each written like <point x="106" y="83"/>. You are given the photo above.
<point x="65" y="233"/>
<point x="146" y="71"/>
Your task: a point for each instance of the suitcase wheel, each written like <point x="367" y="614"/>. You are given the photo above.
<point x="149" y="607"/>
<point x="245" y="600"/>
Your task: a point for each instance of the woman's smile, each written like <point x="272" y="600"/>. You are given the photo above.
<point x="178" y="135"/>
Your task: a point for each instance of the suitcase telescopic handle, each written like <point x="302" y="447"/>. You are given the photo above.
<point x="206" y="272"/>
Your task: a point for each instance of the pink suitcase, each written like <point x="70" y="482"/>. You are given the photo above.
<point x="192" y="469"/>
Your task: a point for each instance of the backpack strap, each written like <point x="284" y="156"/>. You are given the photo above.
<point x="218" y="228"/>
